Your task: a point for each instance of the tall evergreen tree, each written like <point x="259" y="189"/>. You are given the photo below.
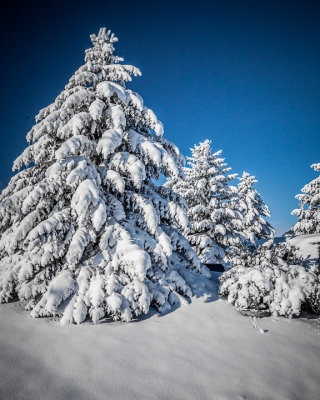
<point x="254" y="211"/>
<point x="309" y="211"/>
<point x="85" y="222"/>
<point x="212" y="206"/>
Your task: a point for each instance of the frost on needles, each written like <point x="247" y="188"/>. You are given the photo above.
<point x="84" y="229"/>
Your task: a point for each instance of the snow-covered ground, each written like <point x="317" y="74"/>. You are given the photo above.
<point x="202" y="350"/>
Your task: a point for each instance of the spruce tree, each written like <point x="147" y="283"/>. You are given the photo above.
<point x="254" y="211"/>
<point x="212" y="207"/>
<point x="309" y="211"/>
<point x="84" y="230"/>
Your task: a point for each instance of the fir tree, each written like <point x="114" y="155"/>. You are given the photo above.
<point x="84" y="222"/>
<point x="212" y="207"/>
<point x="254" y="211"/>
<point x="309" y="211"/>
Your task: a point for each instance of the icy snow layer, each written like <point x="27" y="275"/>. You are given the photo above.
<point x="307" y="246"/>
<point x="205" y="350"/>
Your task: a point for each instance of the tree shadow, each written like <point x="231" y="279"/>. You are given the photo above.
<point x="201" y="287"/>
<point x="308" y="315"/>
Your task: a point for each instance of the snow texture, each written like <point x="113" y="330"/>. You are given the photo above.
<point x="204" y="350"/>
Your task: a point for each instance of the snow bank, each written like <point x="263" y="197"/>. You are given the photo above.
<point x="204" y="350"/>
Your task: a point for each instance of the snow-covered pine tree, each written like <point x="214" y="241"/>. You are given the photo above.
<point x="212" y="207"/>
<point x="84" y="230"/>
<point x="254" y="211"/>
<point x="309" y="211"/>
<point x="274" y="283"/>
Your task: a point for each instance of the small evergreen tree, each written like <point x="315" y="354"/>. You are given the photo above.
<point x="254" y="211"/>
<point x="274" y="283"/>
<point x="85" y="222"/>
<point x="309" y="211"/>
<point x="212" y="206"/>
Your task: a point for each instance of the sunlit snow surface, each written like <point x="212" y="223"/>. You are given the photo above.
<point x="202" y="350"/>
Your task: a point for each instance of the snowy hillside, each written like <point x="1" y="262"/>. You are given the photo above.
<point x="203" y="350"/>
<point x="307" y="247"/>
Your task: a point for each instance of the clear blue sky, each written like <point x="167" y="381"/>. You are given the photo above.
<point x="245" y="74"/>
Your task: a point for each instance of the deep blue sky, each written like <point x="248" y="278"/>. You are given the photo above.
<point x="245" y="74"/>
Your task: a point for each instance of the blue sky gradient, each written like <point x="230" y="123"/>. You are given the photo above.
<point x="245" y="74"/>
